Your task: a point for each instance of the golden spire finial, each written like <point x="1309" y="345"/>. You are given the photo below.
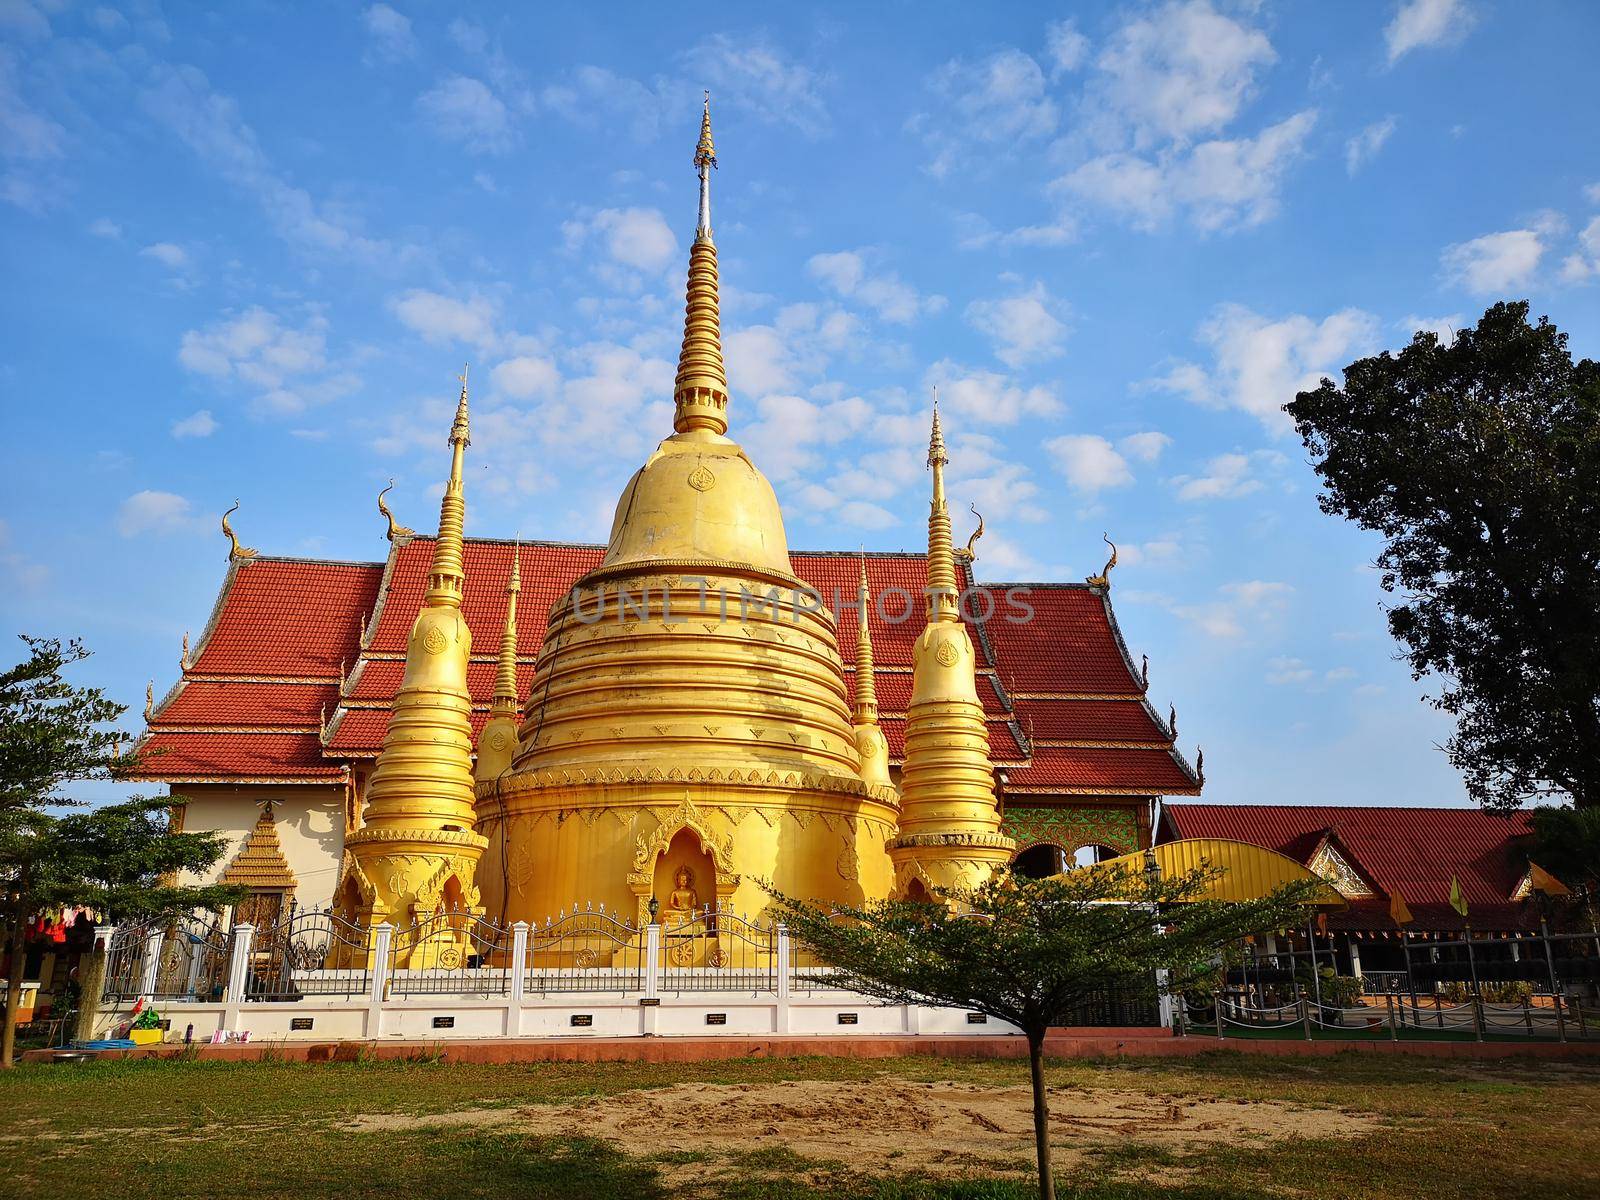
<point x="700" y="392"/>
<point x="505" y="684"/>
<point x="447" y="578"/>
<point x="866" y="709"/>
<point x="235" y="550"/>
<point x="942" y="591"/>
<point x="396" y="530"/>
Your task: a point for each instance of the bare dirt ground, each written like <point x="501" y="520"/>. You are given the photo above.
<point x="896" y="1126"/>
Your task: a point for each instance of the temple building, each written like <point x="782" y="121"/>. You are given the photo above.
<point x="660" y="723"/>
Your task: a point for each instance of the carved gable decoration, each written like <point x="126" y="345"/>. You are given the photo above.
<point x="1329" y="864"/>
<point x="260" y="864"/>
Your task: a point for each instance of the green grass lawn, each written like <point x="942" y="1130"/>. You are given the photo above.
<point x="191" y="1129"/>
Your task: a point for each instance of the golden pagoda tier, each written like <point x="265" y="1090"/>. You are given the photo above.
<point x="688" y="733"/>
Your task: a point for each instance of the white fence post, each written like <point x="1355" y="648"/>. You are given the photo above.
<point x="238" y="975"/>
<point x="151" y="964"/>
<point x="519" y="978"/>
<point x="1164" y="998"/>
<point x="382" y="938"/>
<point x="783" y="952"/>
<point x="650" y="1014"/>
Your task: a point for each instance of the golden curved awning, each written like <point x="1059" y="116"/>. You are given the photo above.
<point x="1249" y="871"/>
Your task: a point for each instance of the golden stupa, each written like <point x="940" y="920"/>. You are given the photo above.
<point x="687" y="736"/>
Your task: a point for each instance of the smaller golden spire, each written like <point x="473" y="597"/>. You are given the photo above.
<point x="505" y="684"/>
<point x="396" y="530"/>
<point x="447" y="577"/>
<point x="942" y="591"/>
<point x="706" y="151"/>
<point x="866" y="710"/>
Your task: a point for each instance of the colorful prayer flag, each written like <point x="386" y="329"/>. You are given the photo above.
<point x="1398" y="912"/>
<point x="1457" y="900"/>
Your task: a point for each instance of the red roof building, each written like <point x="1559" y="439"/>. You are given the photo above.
<point x="291" y="682"/>
<point x="1370" y="854"/>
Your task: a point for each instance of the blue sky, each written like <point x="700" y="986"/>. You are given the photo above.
<point x="248" y="247"/>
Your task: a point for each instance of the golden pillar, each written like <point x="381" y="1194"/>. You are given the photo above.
<point x="870" y="742"/>
<point x="416" y="855"/>
<point x="949" y="819"/>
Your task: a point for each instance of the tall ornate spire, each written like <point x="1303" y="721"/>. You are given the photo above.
<point x="497" y="742"/>
<point x="418" y="850"/>
<point x="700" y="392"/>
<point x="942" y="590"/>
<point x="871" y="745"/>
<point x="447" y="577"/>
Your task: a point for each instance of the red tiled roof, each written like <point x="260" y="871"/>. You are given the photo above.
<point x="1089" y="721"/>
<point x="218" y="757"/>
<point x="1071" y="645"/>
<point x="282" y="620"/>
<point x="1101" y="770"/>
<point x="287" y="617"/>
<point x="1414" y="851"/>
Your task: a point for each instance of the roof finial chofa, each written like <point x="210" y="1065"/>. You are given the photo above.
<point x="235" y="550"/>
<point x="396" y="530"/>
<point x="1103" y="580"/>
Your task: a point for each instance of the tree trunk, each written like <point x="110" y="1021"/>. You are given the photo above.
<point x="91" y="986"/>
<point x="17" y="959"/>
<point x="1041" y="1116"/>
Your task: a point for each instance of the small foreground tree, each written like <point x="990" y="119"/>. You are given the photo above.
<point x="1032" y="951"/>
<point x="120" y="859"/>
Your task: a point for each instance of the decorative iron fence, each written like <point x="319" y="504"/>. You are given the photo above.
<point x="195" y="950"/>
<point x="311" y="952"/>
<point x="451" y="954"/>
<point x="585" y="952"/>
<point x="126" y="954"/>
<point x="719" y="952"/>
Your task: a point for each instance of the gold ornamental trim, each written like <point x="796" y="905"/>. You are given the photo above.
<point x="957" y="838"/>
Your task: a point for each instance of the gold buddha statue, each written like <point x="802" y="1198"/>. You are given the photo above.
<point x="683" y="901"/>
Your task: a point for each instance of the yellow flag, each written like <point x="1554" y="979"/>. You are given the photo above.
<point x="1541" y="880"/>
<point x="1398" y="912"/>
<point x="1457" y="900"/>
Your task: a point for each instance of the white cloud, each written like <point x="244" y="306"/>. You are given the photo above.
<point x="169" y="255"/>
<point x="196" y="425"/>
<point x="1240" y="606"/>
<point x="999" y="101"/>
<point x="1227" y="477"/>
<point x="465" y="110"/>
<point x="1089" y="462"/>
<point x="441" y="320"/>
<point x="390" y="33"/>
<point x="524" y="377"/>
<point x="1024" y="328"/>
<point x="598" y="98"/>
<point x="1180" y="71"/>
<point x="1495" y="262"/>
<point x="155" y="512"/>
<point x="846" y="274"/>
<point x="1261" y="363"/>
<point x="638" y="239"/>
<point x="1422" y="23"/>
<point x="182" y="99"/>
<point x="1145" y="447"/>
<point x="1364" y="147"/>
<point x="1339" y="674"/>
<point x="1288" y="670"/>
<point x="751" y="77"/>
<point x="1003" y="493"/>
<point x="105" y="227"/>
<point x="288" y="367"/>
<point x="987" y="397"/>
<point x="1221" y="184"/>
<point x="1068" y="48"/>
<point x="1586" y="262"/>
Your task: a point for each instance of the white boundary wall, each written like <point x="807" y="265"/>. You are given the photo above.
<point x="809" y="1010"/>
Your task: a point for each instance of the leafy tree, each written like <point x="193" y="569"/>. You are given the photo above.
<point x="1479" y="464"/>
<point x="1566" y="842"/>
<point x="1031" y="951"/>
<point x="120" y="859"/>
